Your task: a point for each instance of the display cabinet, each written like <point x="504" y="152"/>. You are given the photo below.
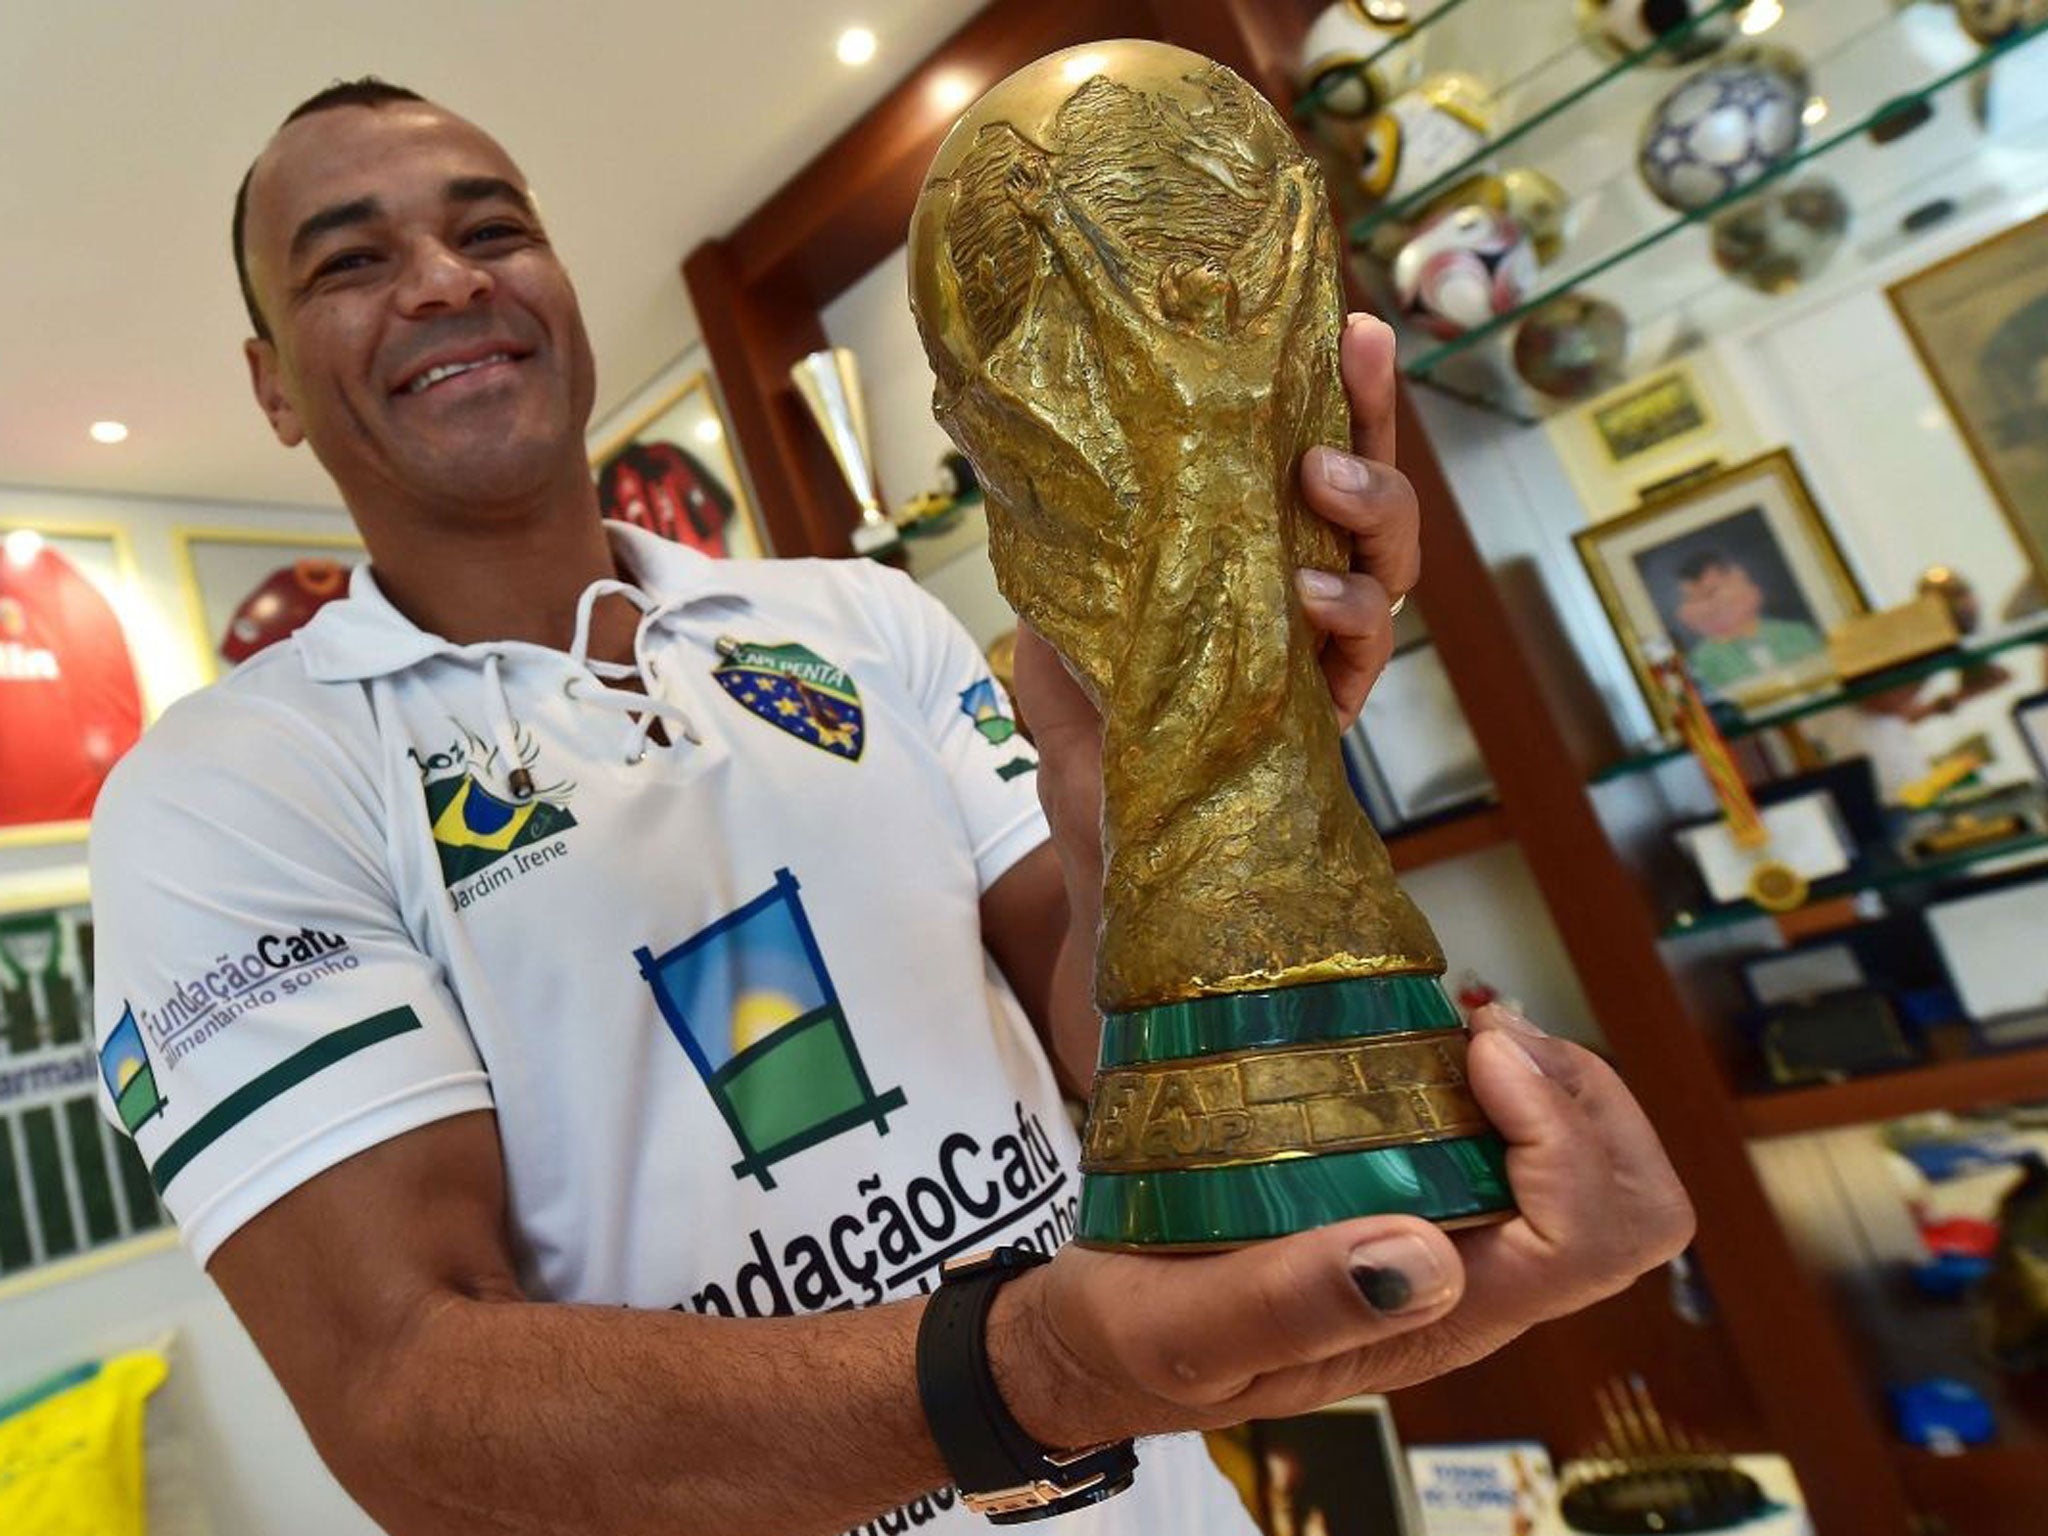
<point x="1928" y="143"/>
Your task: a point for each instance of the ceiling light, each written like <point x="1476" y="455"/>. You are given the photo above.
<point x="109" y="432"/>
<point x="951" y="92"/>
<point x="22" y="546"/>
<point x="1761" y="15"/>
<point x="1083" y="66"/>
<point x="709" y="431"/>
<point x="1816" y="109"/>
<point x="856" y="45"/>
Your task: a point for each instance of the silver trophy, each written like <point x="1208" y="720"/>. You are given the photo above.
<point x="829" y="381"/>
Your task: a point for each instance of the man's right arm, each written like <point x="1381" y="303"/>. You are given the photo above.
<point x="383" y="1295"/>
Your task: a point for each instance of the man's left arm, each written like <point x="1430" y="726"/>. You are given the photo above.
<point x="1040" y="918"/>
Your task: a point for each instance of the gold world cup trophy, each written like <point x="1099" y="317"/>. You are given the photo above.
<point x="1125" y="275"/>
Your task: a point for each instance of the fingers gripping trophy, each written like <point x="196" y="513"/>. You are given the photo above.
<point x="1125" y="275"/>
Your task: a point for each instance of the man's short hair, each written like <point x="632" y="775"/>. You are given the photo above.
<point x="1706" y="560"/>
<point x="366" y="92"/>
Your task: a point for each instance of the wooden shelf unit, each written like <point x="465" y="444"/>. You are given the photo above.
<point x="1776" y="1369"/>
<point x="1958" y="1082"/>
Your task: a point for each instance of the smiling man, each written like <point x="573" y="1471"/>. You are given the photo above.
<point x="590" y="990"/>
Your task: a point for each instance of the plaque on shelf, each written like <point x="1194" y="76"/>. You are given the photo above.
<point x="1990" y="940"/>
<point x="1876" y="642"/>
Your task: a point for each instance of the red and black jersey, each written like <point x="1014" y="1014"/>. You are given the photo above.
<point x="280" y="604"/>
<point x="69" y="701"/>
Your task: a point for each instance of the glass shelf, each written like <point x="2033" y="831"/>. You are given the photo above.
<point x="1884" y="871"/>
<point x="2032" y="631"/>
<point x="1874" y="85"/>
<point x="1559" y="80"/>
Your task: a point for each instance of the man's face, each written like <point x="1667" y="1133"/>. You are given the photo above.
<point x="1721" y="603"/>
<point x="426" y="339"/>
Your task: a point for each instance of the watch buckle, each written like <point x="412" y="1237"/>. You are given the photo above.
<point x="1032" y="1495"/>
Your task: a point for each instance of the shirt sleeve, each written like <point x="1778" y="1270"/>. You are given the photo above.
<point x="992" y="767"/>
<point x="260" y="1011"/>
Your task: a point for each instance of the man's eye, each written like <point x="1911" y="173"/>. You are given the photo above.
<point x="347" y="261"/>
<point x="497" y="229"/>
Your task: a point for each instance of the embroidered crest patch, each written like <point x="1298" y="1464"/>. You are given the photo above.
<point x="983" y="704"/>
<point x="795" y="690"/>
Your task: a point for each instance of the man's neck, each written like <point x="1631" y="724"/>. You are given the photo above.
<point x="509" y="574"/>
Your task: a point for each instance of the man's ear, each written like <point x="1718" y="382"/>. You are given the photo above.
<point x="266" y="378"/>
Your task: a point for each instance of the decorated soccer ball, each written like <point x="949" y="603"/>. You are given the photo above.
<point x="1338" y="46"/>
<point x="1722" y="129"/>
<point x="1993" y="21"/>
<point x="1422" y="134"/>
<point x="1620" y="28"/>
<point x="1572" y="347"/>
<point x="1464" y="267"/>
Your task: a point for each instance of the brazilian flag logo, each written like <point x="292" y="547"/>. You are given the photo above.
<point x="130" y="1078"/>
<point x="752" y="1005"/>
<point x="797" y="691"/>
<point x="473" y="828"/>
<point x="984" y="706"/>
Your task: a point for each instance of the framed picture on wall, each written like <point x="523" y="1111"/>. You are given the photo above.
<point x="1737" y="572"/>
<point x="1338" y="1470"/>
<point x="248" y="588"/>
<point x="70" y="699"/>
<point x="1979" y="321"/>
<point x="668" y="467"/>
<point x="73" y="1190"/>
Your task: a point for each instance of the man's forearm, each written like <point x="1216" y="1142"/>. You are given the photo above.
<point x="502" y="1416"/>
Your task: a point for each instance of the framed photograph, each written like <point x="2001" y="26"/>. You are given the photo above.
<point x="1979" y="321"/>
<point x="71" y="701"/>
<point x="248" y="588"/>
<point x="74" y="1193"/>
<point x="1656" y="413"/>
<point x="1990" y="940"/>
<point x="1337" y="1471"/>
<point x="1411" y="753"/>
<point x="2030" y="719"/>
<point x="1738" y="573"/>
<point x="669" y="469"/>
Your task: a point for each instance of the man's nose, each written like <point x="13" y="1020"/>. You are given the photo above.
<point x="439" y="277"/>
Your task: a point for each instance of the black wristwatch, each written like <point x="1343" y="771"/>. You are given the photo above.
<point x="1000" y="1470"/>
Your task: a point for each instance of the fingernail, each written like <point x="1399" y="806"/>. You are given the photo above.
<point x="1399" y="1274"/>
<point x="1517" y="1022"/>
<point x="1319" y="584"/>
<point x="1343" y="471"/>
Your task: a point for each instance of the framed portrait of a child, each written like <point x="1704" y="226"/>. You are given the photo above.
<point x="1737" y="572"/>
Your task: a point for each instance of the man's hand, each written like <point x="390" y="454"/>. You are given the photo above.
<point x="1096" y="1345"/>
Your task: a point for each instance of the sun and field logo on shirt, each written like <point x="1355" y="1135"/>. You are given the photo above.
<point x="130" y="1078"/>
<point x="795" y="690"/>
<point x="982" y="703"/>
<point x="474" y="827"/>
<point x="750" y="1001"/>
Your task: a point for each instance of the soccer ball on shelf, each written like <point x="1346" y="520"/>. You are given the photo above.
<point x="1572" y="347"/>
<point x="1781" y="237"/>
<point x="1464" y="267"/>
<point x="1621" y="28"/>
<point x="1529" y="197"/>
<point x="1723" y="128"/>
<point x="1338" y="45"/>
<point x="1421" y="135"/>
<point x="1993" y="21"/>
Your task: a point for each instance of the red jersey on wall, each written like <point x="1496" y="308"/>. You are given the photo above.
<point x="69" y="701"/>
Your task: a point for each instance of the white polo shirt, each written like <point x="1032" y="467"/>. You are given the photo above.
<point x="727" y="995"/>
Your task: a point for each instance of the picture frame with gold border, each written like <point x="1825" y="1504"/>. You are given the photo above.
<point x="1978" y="321"/>
<point x="75" y="1197"/>
<point x="689" y="418"/>
<point x="102" y="554"/>
<point x="1760" y="513"/>
<point x="220" y="568"/>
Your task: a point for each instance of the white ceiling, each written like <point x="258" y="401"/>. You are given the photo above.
<point x="644" y="125"/>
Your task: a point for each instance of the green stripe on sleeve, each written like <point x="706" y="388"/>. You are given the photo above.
<point x="282" y="1078"/>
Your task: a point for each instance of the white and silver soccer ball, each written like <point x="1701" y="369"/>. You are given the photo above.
<point x="1464" y="267"/>
<point x="1778" y="239"/>
<point x="1421" y="135"/>
<point x="1619" y="29"/>
<point x="1722" y="129"/>
<point x="1347" y="58"/>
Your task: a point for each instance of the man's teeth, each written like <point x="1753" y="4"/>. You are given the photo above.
<point x="436" y="374"/>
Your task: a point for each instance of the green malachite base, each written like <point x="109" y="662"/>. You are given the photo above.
<point x="1455" y="1181"/>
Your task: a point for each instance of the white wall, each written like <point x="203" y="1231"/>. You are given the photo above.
<point x="257" y="1473"/>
